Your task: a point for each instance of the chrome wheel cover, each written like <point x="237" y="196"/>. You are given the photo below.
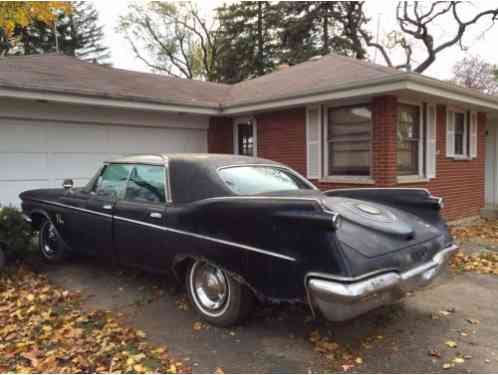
<point x="49" y="243"/>
<point x="210" y="289"/>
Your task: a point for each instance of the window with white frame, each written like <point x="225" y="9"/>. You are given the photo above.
<point x="409" y="140"/>
<point x="461" y="134"/>
<point x="461" y="131"/>
<point x="349" y="141"/>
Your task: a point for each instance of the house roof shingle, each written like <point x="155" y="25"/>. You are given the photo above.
<point x="65" y="74"/>
<point x="54" y="73"/>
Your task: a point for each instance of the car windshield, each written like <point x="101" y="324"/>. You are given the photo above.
<point x="249" y="179"/>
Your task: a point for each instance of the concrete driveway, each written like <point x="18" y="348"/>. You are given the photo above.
<point x="411" y="336"/>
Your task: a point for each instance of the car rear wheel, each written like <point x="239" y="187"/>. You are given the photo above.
<point x="51" y="246"/>
<point x="216" y="296"/>
<point x="2" y="257"/>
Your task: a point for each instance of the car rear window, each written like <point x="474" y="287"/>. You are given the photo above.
<point x="249" y="180"/>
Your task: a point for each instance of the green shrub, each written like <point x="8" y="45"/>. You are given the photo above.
<point x="16" y="236"/>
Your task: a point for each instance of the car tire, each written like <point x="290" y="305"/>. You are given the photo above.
<point x="2" y="257"/>
<point x="216" y="296"/>
<point x="51" y="246"/>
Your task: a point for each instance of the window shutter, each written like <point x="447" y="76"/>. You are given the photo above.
<point x="314" y="142"/>
<point x="430" y="155"/>
<point x="473" y="135"/>
<point x="450" y="133"/>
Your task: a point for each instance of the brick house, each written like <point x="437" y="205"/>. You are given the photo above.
<point x="338" y="121"/>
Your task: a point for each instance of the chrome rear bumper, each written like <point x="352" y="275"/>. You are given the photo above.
<point x="340" y="300"/>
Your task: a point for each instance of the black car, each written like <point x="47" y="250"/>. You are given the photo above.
<point x="238" y="229"/>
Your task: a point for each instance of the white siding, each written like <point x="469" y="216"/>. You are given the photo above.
<point x="37" y="152"/>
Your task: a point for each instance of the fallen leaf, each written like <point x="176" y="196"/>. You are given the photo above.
<point x="472" y="321"/>
<point x="451" y="344"/>
<point x="448" y="365"/>
<point x="458" y="360"/>
<point x="434" y="353"/>
<point x="141" y="334"/>
<point x="347" y="367"/>
<point x="197" y="326"/>
<point x="219" y="370"/>
<point x="358" y="360"/>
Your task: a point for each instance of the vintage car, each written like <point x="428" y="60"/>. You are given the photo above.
<point x="239" y="229"/>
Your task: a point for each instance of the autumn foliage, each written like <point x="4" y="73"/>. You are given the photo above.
<point x="43" y="329"/>
<point x="21" y="13"/>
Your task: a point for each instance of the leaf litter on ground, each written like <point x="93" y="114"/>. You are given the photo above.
<point x="44" y="329"/>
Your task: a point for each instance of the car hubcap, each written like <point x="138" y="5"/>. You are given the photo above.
<point x="49" y="244"/>
<point x="209" y="288"/>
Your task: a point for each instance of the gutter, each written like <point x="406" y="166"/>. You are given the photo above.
<point x="102" y="101"/>
<point x="411" y="82"/>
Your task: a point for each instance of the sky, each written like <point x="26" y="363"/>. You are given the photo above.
<point x="381" y="13"/>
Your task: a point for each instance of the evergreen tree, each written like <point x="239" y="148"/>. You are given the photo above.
<point x="87" y="35"/>
<point x="247" y="40"/>
<point x="78" y="34"/>
<point x="256" y="37"/>
<point x="312" y="28"/>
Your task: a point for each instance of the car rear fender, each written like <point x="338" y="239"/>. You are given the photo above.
<point x="417" y="201"/>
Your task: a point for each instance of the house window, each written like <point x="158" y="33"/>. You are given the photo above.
<point x="245" y="137"/>
<point x="349" y="135"/>
<point x="409" y="144"/>
<point x="460" y="134"/>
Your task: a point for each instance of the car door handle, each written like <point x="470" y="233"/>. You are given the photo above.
<point x="107" y="207"/>
<point x="156" y="215"/>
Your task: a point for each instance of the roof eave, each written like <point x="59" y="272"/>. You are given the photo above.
<point x="406" y="82"/>
<point x="67" y="98"/>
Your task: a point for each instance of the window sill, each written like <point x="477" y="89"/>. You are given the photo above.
<point x="460" y="157"/>
<point x="411" y="179"/>
<point x="348" y="180"/>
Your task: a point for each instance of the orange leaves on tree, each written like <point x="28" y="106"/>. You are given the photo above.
<point x="22" y="13"/>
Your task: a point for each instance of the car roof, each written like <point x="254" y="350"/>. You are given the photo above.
<point x="208" y="160"/>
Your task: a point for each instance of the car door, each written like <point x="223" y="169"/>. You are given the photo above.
<point x="139" y="217"/>
<point x="93" y="221"/>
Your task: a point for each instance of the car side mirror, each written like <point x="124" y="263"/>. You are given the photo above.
<point x="68" y="184"/>
<point x="108" y="195"/>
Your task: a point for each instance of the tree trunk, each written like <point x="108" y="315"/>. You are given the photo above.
<point x="260" y="67"/>
<point x="325" y="15"/>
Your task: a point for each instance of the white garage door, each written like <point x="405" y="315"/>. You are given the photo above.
<point x="41" y="154"/>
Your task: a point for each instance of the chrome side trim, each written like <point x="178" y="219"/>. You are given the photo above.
<point x="178" y="231"/>
<point x="74" y="208"/>
<point x="26" y="218"/>
<point x="208" y="238"/>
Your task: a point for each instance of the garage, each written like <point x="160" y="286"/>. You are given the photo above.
<point x="71" y="142"/>
<point x="61" y="117"/>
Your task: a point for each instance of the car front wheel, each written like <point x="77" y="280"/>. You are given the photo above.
<point x="51" y="247"/>
<point x="216" y="296"/>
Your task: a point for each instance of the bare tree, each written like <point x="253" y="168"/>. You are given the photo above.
<point x="418" y="21"/>
<point x="171" y="38"/>
<point x="475" y="73"/>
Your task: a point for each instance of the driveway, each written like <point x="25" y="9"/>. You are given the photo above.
<point x="417" y="335"/>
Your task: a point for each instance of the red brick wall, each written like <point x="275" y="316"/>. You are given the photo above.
<point x="282" y="137"/>
<point x="220" y="135"/>
<point x="384" y="120"/>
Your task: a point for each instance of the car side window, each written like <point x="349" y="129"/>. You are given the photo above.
<point x="112" y="181"/>
<point x="146" y="184"/>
